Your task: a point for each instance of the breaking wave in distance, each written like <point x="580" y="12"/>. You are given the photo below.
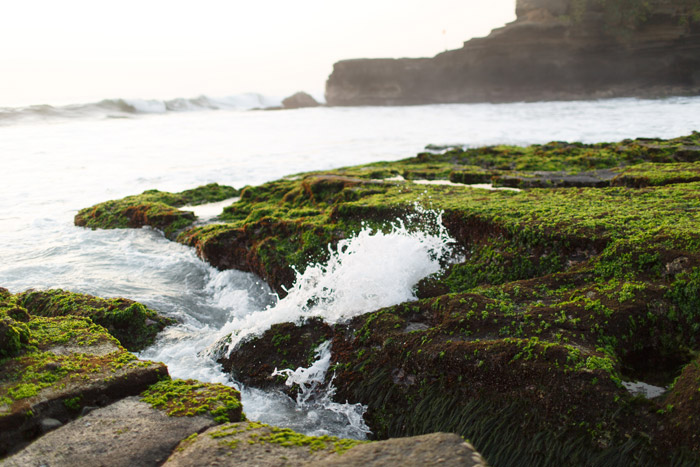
<point x="122" y="108"/>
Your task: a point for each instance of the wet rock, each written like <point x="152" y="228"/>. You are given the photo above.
<point x="683" y="407"/>
<point x="283" y="346"/>
<point x="154" y="208"/>
<point x="553" y="298"/>
<point x="250" y="443"/>
<point x="126" y="433"/>
<point x="299" y="100"/>
<point x="186" y="398"/>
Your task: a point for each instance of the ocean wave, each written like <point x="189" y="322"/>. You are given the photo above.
<point x="116" y="108"/>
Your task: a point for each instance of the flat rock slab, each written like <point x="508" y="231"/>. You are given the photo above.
<point x="445" y="449"/>
<point x="251" y="443"/>
<point x="127" y="433"/>
<point x="540" y="179"/>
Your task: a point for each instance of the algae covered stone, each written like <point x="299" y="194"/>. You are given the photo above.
<point x="68" y="363"/>
<point x="133" y="324"/>
<point x="556" y="294"/>
<point x="154" y="208"/>
<point x="13" y="328"/>
<point x="259" y="444"/>
<point x="179" y="398"/>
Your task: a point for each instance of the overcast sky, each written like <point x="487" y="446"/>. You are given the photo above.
<point x="65" y="51"/>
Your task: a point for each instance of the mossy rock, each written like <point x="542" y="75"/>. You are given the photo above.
<point x="66" y="364"/>
<point x="520" y="400"/>
<point x="13" y="328"/>
<point x="561" y="293"/>
<point x="133" y="324"/>
<point x="153" y="208"/>
<point x="682" y="407"/>
<point x="180" y="398"/>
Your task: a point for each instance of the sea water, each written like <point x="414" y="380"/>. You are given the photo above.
<point x="54" y="161"/>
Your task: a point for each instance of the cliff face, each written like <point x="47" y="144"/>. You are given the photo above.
<point x="556" y="49"/>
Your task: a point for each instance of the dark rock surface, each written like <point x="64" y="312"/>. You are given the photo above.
<point x="555" y="50"/>
<point x="291" y="346"/>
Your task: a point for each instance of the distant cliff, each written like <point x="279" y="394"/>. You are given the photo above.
<point x="556" y="49"/>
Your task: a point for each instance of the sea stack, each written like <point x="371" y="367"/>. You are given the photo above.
<point x="555" y="50"/>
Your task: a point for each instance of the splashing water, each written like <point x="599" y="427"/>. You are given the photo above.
<point x="369" y="271"/>
<point x="315" y="395"/>
<point x="364" y="273"/>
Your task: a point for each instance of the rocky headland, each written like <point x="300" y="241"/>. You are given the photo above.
<point x="555" y="50"/>
<point x="565" y="294"/>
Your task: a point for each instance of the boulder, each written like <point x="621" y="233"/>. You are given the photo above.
<point x="251" y="443"/>
<point x="299" y="100"/>
<point x="127" y="433"/>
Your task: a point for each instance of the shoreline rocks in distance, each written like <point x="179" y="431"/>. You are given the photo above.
<point x="299" y="100"/>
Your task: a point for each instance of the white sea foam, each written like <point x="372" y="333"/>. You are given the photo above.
<point x="315" y="394"/>
<point x="369" y="271"/>
<point x="125" y="107"/>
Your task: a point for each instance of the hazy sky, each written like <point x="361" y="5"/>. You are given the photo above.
<point x="81" y="50"/>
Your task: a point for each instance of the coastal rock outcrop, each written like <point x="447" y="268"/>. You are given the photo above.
<point x="126" y="433"/>
<point x="558" y="301"/>
<point x="158" y="209"/>
<point x="555" y="50"/>
<point x="299" y="100"/>
<point x="134" y="325"/>
<point x="66" y="363"/>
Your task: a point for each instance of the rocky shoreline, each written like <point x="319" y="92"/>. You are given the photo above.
<point x="555" y="50"/>
<point x="562" y="294"/>
<point x="70" y="394"/>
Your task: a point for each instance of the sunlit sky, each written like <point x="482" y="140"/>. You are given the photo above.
<point x="71" y="51"/>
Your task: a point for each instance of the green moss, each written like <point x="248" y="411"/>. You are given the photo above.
<point x="189" y="398"/>
<point x="43" y="362"/>
<point x="133" y="324"/>
<point x="73" y="403"/>
<point x="23" y="391"/>
<point x="13" y="328"/>
<point x="260" y="433"/>
<point x="559" y="294"/>
<point x="155" y="208"/>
